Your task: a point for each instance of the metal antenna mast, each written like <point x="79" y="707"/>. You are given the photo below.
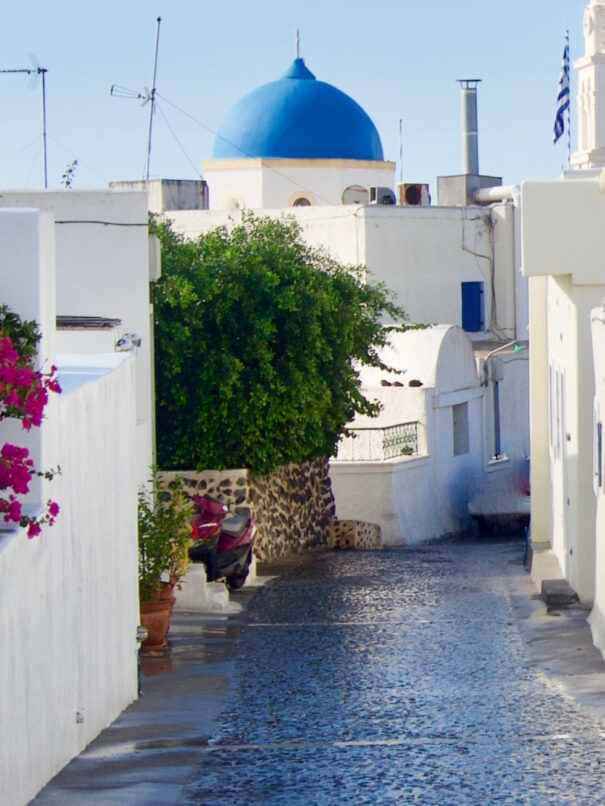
<point x="41" y="71"/>
<point x="152" y="99"/>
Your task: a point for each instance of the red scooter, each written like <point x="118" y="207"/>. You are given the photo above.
<point x="223" y="544"/>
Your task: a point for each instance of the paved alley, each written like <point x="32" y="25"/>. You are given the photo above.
<point x="397" y="677"/>
<point x="426" y="675"/>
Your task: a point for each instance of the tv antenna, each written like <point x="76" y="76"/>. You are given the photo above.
<point x="147" y="96"/>
<point x="39" y="71"/>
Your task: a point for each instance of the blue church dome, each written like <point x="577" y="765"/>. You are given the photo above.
<point x="297" y="117"/>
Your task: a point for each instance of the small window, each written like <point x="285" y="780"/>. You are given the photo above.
<point x="301" y="199"/>
<point x="355" y="194"/>
<point x="473" y="319"/>
<point x="460" y="428"/>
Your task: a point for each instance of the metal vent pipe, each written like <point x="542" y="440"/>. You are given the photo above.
<point x="470" y="136"/>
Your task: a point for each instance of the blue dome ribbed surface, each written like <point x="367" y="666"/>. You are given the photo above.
<point x="297" y="117"/>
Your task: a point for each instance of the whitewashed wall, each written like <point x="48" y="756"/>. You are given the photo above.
<point x="102" y="269"/>
<point x="414" y="499"/>
<point x="68" y="598"/>
<point x="272" y="183"/>
<point x="423" y="254"/>
<point x="597" y="616"/>
<point x="563" y="247"/>
<point x="418" y="498"/>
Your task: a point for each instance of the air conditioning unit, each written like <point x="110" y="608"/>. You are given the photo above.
<point x="382" y="196"/>
<point x="414" y="195"/>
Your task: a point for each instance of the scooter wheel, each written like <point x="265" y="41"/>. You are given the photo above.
<point x="236" y="581"/>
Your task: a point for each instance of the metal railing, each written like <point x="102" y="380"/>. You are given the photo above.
<point x="376" y="444"/>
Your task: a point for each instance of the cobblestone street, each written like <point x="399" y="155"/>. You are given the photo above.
<point x="401" y="677"/>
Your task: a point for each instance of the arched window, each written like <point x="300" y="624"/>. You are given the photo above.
<point x="355" y="194"/>
<point x="301" y="199"/>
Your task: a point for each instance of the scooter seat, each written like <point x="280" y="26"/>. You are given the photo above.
<point x="234" y="526"/>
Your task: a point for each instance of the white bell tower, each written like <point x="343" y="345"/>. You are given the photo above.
<point x="591" y="91"/>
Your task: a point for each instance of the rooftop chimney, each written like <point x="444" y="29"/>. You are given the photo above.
<point x="463" y="188"/>
<point x="470" y="137"/>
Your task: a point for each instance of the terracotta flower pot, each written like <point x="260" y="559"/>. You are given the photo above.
<point x="155" y="617"/>
<point x="166" y="593"/>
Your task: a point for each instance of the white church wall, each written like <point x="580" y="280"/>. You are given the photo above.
<point x="276" y="183"/>
<point x="68" y="598"/>
<point x="322" y="181"/>
<point x="102" y="269"/>
<point x="234" y="184"/>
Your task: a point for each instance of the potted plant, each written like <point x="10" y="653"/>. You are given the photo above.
<point x="164" y="519"/>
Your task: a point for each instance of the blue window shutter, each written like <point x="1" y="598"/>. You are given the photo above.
<point x="472" y="306"/>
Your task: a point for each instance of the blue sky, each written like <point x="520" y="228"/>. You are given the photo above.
<point x="397" y="58"/>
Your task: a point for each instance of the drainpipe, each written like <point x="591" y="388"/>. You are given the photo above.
<point x="497" y="445"/>
<point x="486" y="378"/>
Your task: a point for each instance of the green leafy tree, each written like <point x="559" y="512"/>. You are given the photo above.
<point x="258" y="340"/>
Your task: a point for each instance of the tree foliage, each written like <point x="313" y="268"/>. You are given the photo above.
<point x="258" y="342"/>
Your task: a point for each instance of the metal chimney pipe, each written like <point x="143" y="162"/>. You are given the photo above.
<point x="470" y="136"/>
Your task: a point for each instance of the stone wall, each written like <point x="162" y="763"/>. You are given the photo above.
<point x="293" y="506"/>
<point x="355" y="535"/>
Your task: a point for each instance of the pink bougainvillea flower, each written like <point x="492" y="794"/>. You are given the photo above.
<point x="23" y="395"/>
<point x="34" y="529"/>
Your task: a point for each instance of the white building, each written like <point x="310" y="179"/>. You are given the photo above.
<point x="413" y="468"/>
<point x="597" y="616"/>
<point x="69" y="598"/>
<point x="563" y="240"/>
<point x="451" y="265"/>
<point x="439" y="443"/>
<point x="563" y="247"/>
<point x="300" y="147"/>
<point x="104" y="263"/>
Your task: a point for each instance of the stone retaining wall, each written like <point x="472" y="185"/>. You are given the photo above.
<point x="293" y="506"/>
<point x="355" y="535"/>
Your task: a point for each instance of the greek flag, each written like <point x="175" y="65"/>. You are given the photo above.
<point x="563" y="95"/>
